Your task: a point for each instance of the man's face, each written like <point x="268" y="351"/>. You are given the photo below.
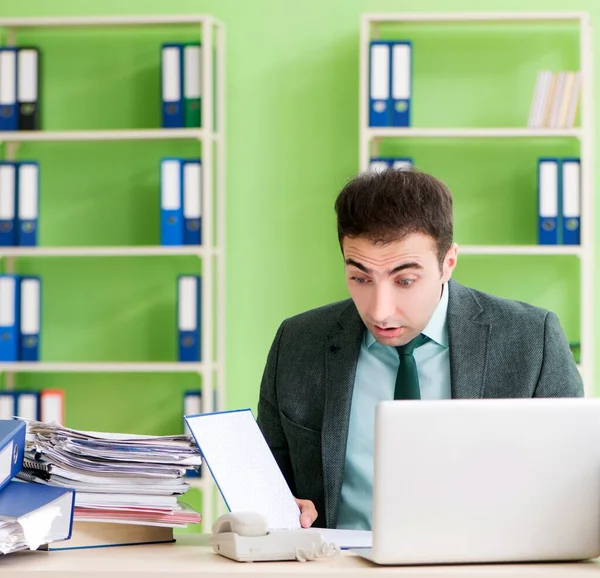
<point x="396" y="287"/>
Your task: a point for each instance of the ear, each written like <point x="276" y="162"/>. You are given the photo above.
<point x="450" y="261"/>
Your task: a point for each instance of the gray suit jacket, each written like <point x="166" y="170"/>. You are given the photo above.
<point x="498" y="349"/>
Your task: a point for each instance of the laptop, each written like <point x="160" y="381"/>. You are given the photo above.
<point x="484" y="481"/>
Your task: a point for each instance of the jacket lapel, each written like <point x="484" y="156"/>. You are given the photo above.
<point x="468" y="335"/>
<point x="343" y="348"/>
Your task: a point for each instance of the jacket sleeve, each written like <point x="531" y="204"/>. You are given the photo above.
<point x="559" y="376"/>
<point x="268" y="413"/>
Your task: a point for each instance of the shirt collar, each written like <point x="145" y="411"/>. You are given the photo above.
<point x="437" y="328"/>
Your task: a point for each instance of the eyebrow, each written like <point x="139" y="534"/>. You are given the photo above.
<point x="364" y="269"/>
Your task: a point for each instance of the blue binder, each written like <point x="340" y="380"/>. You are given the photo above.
<point x="172" y="85"/>
<point x="548" y="184"/>
<point x="9" y="317"/>
<point x="8" y="203"/>
<point x="571" y="201"/>
<point x="401" y="76"/>
<point x="171" y="194"/>
<point x="18" y="499"/>
<point x="9" y="112"/>
<point x="28" y="404"/>
<point x="380" y="113"/>
<point x="380" y="164"/>
<point x="192" y="405"/>
<point x="189" y="315"/>
<point x="12" y="448"/>
<point x="192" y="202"/>
<point x="402" y="163"/>
<point x="28" y="203"/>
<point x="30" y="318"/>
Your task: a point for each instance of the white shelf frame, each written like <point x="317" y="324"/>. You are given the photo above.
<point x="105" y="367"/>
<point x="370" y="139"/>
<point x="211" y="139"/>
<point x="518" y="132"/>
<point x="533" y="250"/>
<point x="108" y="251"/>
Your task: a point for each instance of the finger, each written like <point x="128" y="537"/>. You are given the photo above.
<point x="308" y="514"/>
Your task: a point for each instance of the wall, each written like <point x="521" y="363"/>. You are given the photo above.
<point x="292" y="134"/>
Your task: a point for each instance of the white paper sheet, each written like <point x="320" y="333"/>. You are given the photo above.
<point x="244" y="468"/>
<point x="349" y="538"/>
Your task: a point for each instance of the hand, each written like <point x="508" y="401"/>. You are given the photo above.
<point x="308" y="512"/>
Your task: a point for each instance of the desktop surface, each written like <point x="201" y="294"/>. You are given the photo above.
<point x="192" y="555"/>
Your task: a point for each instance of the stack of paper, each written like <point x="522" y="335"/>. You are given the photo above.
<point x="119" y="478"/>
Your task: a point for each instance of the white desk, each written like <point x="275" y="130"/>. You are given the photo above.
<point x="191" y="555"/>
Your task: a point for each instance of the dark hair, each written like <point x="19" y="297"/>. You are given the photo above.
<point x="389" y="205"/>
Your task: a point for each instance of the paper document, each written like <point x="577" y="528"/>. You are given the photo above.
<point x="349" y="538"/>
<point x="243" y="466"/>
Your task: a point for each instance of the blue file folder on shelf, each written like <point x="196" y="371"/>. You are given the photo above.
<point x="12" y="448"/>
<point x="380" y="113"/>
<point x="9" y="318"/>
<point x="27" y="404"/>
<point x="192" y="202"/>
<point x="45" y="513"/>
<point x="571" y="201"/>
<point x="9" y="114"/>
<point x="8" y="203"/>
<point x="30" y="318"/>
<point x="548" y="201"/>
<point x="28" y="202"/>
<point x="172" y="86"/>
<point x="401" y="83"/>
<point x="171" y="211"/>
<point x="189" y="305"/>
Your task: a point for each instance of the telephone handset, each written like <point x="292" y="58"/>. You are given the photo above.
<point x="245" y="537"/>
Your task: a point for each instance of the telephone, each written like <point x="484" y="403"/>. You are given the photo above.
<point x="245" y="537"/>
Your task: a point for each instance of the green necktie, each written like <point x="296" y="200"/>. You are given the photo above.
<point x="407" y="380"/>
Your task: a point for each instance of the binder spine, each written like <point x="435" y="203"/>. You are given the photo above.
<point x="189" y="307"/>
<point x="571" y="201"/>
<point x="9" y="118"/>
<point x="192" y="202"/>
<point x="401" y="83"/>
<point x="28" y="88"/>
<point x="379" y="84"/>
<point x="8" y="203"/>
<point x="172" y="86"/>
<point x="548" y="201"/>
<point x="171" y="218"/>
<point x="28" y="203"/>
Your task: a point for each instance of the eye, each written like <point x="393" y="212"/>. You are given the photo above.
<point x="405" y="282"/>
<point x="359" y="280"/>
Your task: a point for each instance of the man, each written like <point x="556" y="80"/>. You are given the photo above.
<point x="408" y="332"/>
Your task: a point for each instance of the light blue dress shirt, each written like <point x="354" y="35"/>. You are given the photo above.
<point x="374" y="382"/>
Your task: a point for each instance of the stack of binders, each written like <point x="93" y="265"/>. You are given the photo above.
<point x="19" y="82"/>
<point x="181" y="203"/>
<point x="32" y="516"/>
<point x="20" y="318"/>
<point x="19" y="202"/>
<point x="181" y="85"/>
<point x="189" y="300"/>
<point x="45" y="405"/>
<point x="390" y="83"/>
<point x="559" y="201"/>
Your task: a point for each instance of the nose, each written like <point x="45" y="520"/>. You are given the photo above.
<point x="382" y="305"/>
